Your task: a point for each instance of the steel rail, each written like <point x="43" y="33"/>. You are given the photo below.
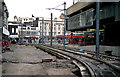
<point x="92" y="72"/>
<point x="88" y="63"/>
<point x="93" y="53"/>
<point x="109" y="64"/>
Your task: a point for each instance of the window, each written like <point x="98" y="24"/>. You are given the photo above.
<point x="32" y="32"/>
<point x="24" y="32"/>
<point x="54" y="28"/>
<point x="40" y="28"/>
<point x="49" y="27"/>
<point x="40" y="23"/>
<point x="28" y="32"/>
<point x="12" y="30"/>
<point x="58" y="32"/>
<point x="16" y="30"/>
<point x="30" y="19"/>
<point x="59" y="28"/>
<point x="31" y="23"/>
<point x="36" y="33"/>
<point x="49" y="33"/>
<point x="59" y="25"/>
<point x="54" y="33"/>
<point x="33" y="28"/>
<point x="63" y="28"/>
<point x="24" y="28"/>
<point x="45" y="28"/>
<point x="28" y="27"/>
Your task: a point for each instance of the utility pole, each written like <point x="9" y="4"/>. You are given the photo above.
<point x="64" y="19"/>
<point x="97" y="27"/>
<point x="64" y="23"/>
<point x="21" y="31"/>
<point x="42" y="28"/>
<point x="45" y="33"/>
<point x="51" y="30"/>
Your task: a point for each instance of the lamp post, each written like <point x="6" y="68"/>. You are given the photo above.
<point x="45" y="33"/>
<point x="51" y="30"/>
<point x="64" y="22"/>
<point x="97" y="28"/>
<point x="42" y="27"/>
<point x="19" y="31"/>
<point x="21" y="35"/>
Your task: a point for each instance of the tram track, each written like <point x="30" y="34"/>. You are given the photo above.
<point x="88" y="52"/>
<point x="110" y="60"/>
<point x="94" y="66"/>
<point x="78" y="63"/>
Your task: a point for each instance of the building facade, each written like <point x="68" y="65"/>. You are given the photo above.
<point x="82" y="17"/>
<point x="13" y="27"/>
<point x="33" y="28"/>
<point x="22" y="28"/>
<point x="3" y="29"/>
<point x="3" y="21"/>
<point x="57" y="28"/>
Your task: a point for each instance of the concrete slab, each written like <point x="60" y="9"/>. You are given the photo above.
<point x="26" y="54"/>
<point x="30" y="54"/>
<point x="23" y="69"/>
<point x="0" y="70"/>
<point x="0" y="65"/>
<point x="54" y="71"/>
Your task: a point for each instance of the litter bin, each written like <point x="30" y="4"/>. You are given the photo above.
<point x="108" y="53"/>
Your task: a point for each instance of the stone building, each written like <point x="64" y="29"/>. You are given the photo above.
<point x="3" y="21"/>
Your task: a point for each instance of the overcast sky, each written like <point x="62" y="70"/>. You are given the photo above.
<point x="25" y="8"/>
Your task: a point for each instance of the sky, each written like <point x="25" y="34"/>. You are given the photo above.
<point x="25" y="8"/>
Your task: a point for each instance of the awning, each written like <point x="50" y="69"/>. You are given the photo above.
<point x="5" y="31"/>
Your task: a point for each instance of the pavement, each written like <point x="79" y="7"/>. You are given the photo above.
<point x="0" y="61"/>
<point x="0" y="70"/>
<point x="27" y="60"/>
<point x="26" y="54"/>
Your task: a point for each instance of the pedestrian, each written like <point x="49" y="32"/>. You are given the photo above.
<point x="59" y="40"/>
